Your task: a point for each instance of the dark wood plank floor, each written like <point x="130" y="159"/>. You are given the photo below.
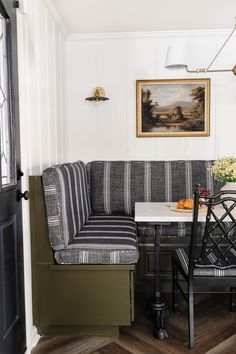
<point x="215" y="334"/>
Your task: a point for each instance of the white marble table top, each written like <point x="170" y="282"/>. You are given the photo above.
<point x="161" y="212"/>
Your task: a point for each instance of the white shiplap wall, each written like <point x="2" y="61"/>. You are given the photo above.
<point x="107" y="130"/>
<point x="41" y="45"/>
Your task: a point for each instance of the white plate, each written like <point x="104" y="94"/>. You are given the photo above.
<point x="186" y="210"/>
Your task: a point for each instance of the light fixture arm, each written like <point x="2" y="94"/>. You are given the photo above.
<point x="219" y="51"/>
<point x="222" y="47"/>
<point x="211" y="71"/>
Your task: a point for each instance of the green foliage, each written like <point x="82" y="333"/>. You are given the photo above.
<point x="198" y="95"/>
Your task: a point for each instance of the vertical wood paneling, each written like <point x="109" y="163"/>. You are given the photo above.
<point x="226" y="119"/>
<point x="32" y="89"/>
<point x="63" y="96"/>
<point x="46" y="118"/>
<point x="118" y="67"/>
<point x="140" y="64"/>
<point x="166" y="148"/>
<point x="43" y="86"/>
<point x="41" y="65"/>
<point x="57" y="93"/>
<point x="38" y="109"/>
<point x="50" y="93"/>
<point x="110" y="116"/>
<point x="45" y="77"/>
<point x="201" y="50"/>
<point x="54" y="93"/>
<point x="82" y="124"/>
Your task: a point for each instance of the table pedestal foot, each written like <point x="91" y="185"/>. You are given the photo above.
<point x="160" y="333"/>
<point x="160" y="312"/>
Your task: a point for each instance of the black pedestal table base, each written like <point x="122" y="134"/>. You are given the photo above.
<point x="157" y="309"/>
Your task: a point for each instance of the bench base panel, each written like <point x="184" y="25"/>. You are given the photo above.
<point x="80" y="296"/>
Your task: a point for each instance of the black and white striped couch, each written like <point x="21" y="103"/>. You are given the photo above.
<point x="90" y="208"/>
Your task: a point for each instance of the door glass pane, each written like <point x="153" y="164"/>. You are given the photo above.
<point x="7" y="160"/>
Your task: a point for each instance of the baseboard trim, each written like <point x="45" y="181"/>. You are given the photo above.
<point x="34" y="340"/>
<point x="104" y="331"/>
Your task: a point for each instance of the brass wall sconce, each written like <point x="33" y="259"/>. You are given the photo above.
<point x="98" y="94"/>
<point x="175" y="59"/>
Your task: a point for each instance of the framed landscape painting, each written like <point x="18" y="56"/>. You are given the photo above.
<point x="173" y="107"/>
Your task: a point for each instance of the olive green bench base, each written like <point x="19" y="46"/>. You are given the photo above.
<point x="75" y="299"/>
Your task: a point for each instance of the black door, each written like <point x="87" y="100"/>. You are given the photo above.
<point x="12" y="312"/>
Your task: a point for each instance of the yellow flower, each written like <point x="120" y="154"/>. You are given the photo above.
<point x="224" y="169"/>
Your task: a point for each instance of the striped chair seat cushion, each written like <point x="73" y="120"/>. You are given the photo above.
<point x="105" y="239"/>
<point x="207" y="268"/>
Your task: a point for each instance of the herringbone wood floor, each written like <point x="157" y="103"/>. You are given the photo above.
<point x="215" y="329"/>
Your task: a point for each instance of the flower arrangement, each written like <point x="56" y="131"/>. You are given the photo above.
<point x="204" y="192"/>
<point x="224" y="169"/>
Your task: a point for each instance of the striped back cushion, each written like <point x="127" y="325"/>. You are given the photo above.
<point x="115" y="186"/>
<point x="67" y="201"/>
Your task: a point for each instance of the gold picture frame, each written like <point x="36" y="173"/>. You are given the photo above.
<point x="179" y="107"/>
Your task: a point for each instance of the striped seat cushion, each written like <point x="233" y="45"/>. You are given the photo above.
<point x="115" y="186"/>
<point x="67" y="201"/>
<point x="105" y="239"/>
<point x="181" y="255"/>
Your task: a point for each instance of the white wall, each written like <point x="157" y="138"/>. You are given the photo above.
<point x="107" y="130"/>
<point x="41" y="43"/>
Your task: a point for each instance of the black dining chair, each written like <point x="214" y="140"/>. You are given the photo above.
<point x="209" y="259"/>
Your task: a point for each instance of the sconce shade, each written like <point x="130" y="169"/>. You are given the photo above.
<point x="175" y="58"/>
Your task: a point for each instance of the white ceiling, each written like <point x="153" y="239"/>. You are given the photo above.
<point x="100" y="16"/>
